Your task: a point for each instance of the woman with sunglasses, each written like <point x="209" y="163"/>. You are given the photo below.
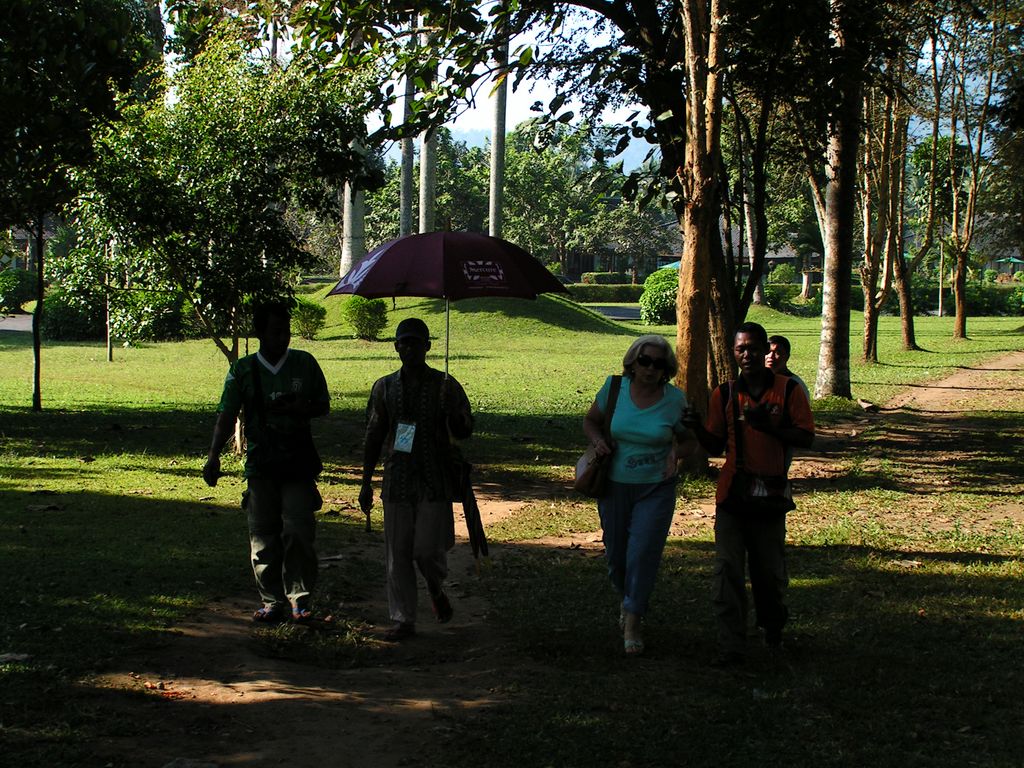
<point x="636" y="511"/>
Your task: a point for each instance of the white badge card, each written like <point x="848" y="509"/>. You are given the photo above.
<point x="404" y="435"/>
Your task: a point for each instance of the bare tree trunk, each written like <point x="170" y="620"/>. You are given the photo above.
<point x="960" y="295"/>
<point x="108" y="248"/>
<point x="972" y="93"/>
<point x="900" y="273"/>
<point x="37" y="319"/>
<point x="723" y="319"/>
<point x="428" y="181"/>
<point x="406" y="187"/>
<point x="840" y="219"/>
<point x="428" y="174"/>
<point x="354" y="226"/>
<point x="840" y="204"/>
<point x="495" y="216"/>
<point x="877" y="201"/>
<point x="699" y="181"/>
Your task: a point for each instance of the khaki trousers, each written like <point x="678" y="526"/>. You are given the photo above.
<point x="282" y="528"/>
<point x="419" y="533"/>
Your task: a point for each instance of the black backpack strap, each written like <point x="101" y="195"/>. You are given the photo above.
<point x="737" y="428"/>
<point x="257" y="389"/>
<point x="790" y="386"/>
<point x="613" y="399"/>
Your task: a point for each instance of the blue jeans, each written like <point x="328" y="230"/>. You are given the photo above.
<point x="635" y="519"/>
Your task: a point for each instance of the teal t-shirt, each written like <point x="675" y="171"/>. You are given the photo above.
<point x="643" y="436"/>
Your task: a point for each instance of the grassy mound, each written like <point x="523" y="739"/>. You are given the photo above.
<point x="490" y="317"/>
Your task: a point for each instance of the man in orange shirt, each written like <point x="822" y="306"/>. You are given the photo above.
<point x="753" y="419"/>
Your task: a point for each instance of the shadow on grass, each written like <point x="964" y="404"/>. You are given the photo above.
<point x="506" y="447"/>
<point x="971" y="450"/>
<point x="895" y="657"/>
<point x="96" y="577"/>
<point x="885" y="666"/>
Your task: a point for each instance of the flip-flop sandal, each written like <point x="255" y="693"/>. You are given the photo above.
<point x="268" y="615"/>
<point x="634" y="647"/>
<point x="302" y="615"/>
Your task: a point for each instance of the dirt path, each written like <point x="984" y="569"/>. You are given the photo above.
<point x="211" y="696"/>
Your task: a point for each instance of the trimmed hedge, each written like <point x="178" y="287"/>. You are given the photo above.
<point x="604" y="278"/>
<point x="618" y="294"/>
<point x="782" y="274"/>
<point x="983" y="299"/>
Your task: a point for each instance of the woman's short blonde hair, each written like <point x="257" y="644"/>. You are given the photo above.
<point x="651" y="340"/>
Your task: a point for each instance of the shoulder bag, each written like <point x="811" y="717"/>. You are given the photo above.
<point x="591" y="469"/>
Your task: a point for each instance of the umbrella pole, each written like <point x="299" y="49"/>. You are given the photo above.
<point x="447" y="332"/>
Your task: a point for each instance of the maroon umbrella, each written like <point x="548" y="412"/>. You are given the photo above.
<point x="448" y="265"/>
<point x="451" y="266"/>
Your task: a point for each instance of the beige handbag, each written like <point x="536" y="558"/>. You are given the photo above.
<point x="591" y="469"/>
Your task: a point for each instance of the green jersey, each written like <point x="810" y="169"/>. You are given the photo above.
<point x="271" y="434"/>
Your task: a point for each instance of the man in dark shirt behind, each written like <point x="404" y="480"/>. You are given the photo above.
<point x="411" y="416"/>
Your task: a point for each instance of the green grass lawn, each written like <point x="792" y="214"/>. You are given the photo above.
<point x="108" y="535"/>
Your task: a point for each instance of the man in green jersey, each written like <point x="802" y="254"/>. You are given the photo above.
<point x="280" y="390"/>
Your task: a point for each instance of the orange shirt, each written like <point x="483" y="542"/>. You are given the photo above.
<point x="763" y="454"/>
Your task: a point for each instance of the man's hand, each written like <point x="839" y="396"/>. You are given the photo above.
<point x="366" y="498"/>
<point x="211" y="471"/>
<point x="759" y="418"/>
<point x="291" y="405"/>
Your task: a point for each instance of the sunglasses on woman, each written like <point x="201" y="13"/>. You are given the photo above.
<point x="647" y="361"/>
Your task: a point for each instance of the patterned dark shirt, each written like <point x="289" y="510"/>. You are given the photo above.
<point x="424" y="474"/>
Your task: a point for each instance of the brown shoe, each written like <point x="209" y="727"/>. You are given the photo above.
<point x="400" y="631"/>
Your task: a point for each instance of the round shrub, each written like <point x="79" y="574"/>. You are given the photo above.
<point x="782" y="274"/>
<point x="367" y="316"/>
<point x="66" y="318"/>
<point x="308" y="317"/>
<point x="658" y="301"/>
<point x="16" y="287"/>
<point x="1015" y="300"/>
<point x="142" y="315"/>
<point x="780" y="296"/>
